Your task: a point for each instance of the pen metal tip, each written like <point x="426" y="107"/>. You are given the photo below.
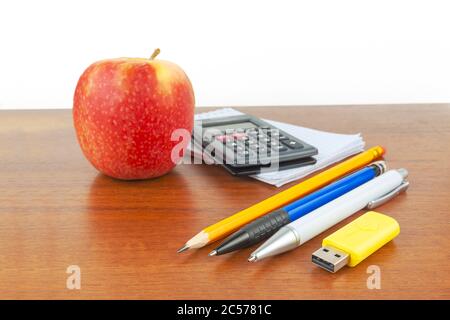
<point x="252" y="258"/>
<point x="212" y="253"/>
<point x="183" y="248"/>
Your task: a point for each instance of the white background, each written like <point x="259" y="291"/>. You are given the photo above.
<point x="235" y="52"/>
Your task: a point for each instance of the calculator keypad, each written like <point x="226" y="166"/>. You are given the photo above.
<point x="244" y="144"/>
<point x="255" y="144"/>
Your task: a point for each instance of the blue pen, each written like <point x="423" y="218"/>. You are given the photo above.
<point x="266" y="226"/>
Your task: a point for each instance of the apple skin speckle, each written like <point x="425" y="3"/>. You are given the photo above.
<point x="125" y="111"/>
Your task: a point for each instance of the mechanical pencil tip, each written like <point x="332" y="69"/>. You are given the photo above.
<point x="212" y="253"/>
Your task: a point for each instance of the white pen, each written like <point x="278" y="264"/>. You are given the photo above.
<point x="370" y="194"/>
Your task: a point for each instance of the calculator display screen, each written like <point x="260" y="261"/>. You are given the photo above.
<point x="240" y="125"/>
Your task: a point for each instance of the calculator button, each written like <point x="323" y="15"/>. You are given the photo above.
<point x="208" y="138"/>
<point x="238" y="135"/>
<point x="244" y="153"/>
<point x="282" y="148"/>
<point x="243" y="138"/>
<point x="292" y="144"/>
<point x="265" y="130"/>
<point x="240" y="143"/>
<point x="222" y="138"/>
<point x="274" y="143"/>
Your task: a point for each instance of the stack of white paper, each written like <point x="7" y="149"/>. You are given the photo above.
<point x="332" y="147"/>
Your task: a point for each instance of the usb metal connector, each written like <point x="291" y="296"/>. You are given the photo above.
<point x="330" y="259"/>
<point x="356" y="241"/>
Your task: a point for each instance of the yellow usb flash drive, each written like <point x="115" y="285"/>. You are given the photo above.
<point x="356" y="241"/>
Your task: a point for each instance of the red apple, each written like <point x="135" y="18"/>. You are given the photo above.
<point x="125" y="111"/>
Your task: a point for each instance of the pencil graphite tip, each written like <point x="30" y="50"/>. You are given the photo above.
<point x="183" y="248"/>
<point x="212" y="253"/>
<point x="252" y="258"/>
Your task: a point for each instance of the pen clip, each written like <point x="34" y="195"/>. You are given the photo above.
<point x="388" y="196"/>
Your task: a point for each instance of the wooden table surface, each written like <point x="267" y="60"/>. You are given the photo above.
<point x="56" y="210"/>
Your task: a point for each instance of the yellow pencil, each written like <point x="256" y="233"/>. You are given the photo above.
<point x="228" y="225"/>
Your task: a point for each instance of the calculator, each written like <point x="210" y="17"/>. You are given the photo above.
<point x="246" y="145"/>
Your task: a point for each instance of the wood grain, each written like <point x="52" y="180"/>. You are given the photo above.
<point x="56" y="211"/>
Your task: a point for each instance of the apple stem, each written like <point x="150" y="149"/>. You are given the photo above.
<point x="155" y="53"/>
